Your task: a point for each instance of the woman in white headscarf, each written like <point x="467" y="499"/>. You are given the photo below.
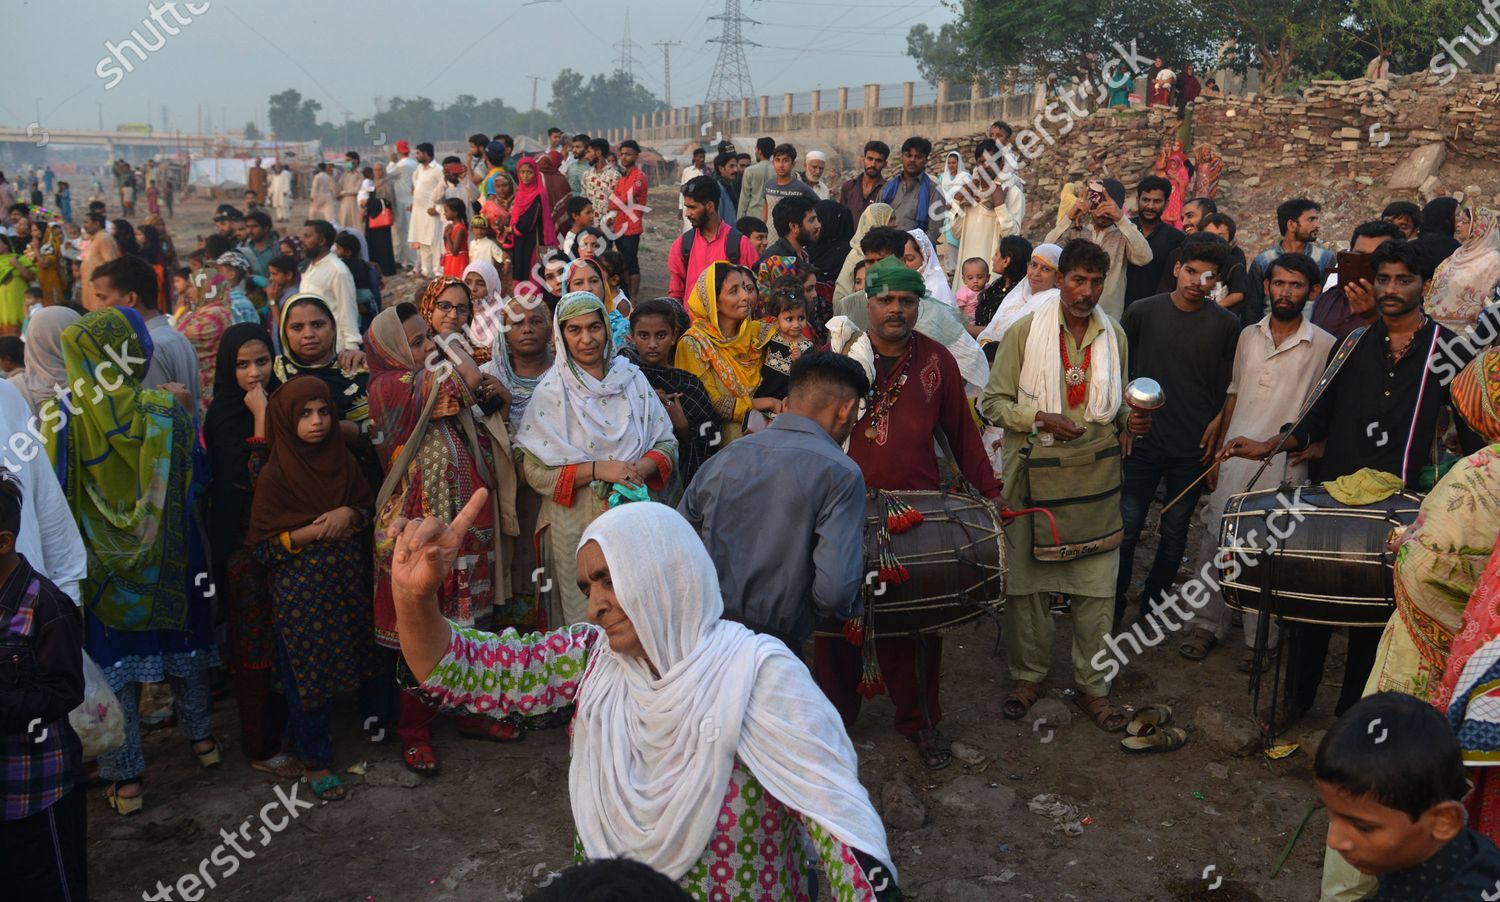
<point x="875" y="215"/>
<point x="1038" y="288"/>
<point x="943" y="322"/>
<point x="700" y="748"/>
<point x="932" y="270"/>
<point x="950" y="180"/>
<point x="594" y="434"/>
<point x="44" y="371"/>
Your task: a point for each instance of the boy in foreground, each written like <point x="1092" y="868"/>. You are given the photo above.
<point x="1390" y="774"/>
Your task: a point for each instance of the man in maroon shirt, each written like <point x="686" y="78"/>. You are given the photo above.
<point x="917" y="389"/>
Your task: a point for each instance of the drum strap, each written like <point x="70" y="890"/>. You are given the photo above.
<point x="1332" y="370"/>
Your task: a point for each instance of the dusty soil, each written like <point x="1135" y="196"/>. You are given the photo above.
<point x="496" y="821"/>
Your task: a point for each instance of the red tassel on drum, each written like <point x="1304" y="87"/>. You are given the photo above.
<point x="871" y="683"/>
<point x="854" y="631"/>
<point x="900" y="516"/>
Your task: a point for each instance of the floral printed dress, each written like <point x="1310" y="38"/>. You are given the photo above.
<point x="760" y="850"/>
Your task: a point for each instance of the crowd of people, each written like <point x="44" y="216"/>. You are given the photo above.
<point x="529" y="496"/>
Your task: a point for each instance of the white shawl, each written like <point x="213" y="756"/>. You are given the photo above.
<point x="1021" y="301"/>
<point x="573" y="417"/>
<point x="932" y="271"/>
<point x="652" y="755"/>
<point x="1041" y="382"/>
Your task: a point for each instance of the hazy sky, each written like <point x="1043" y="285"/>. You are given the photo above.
<point x="233" y="56"/>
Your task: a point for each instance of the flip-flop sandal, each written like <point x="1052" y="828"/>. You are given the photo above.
<point x="1148" y="719"/>
<point x="934" y="749"/>
<point x="1197" y="644"/>
<point x="1161" y="739"/>
<point x="1023" y="694"/>
<point x="420" y="759"/>
<point x="125" y="807"/>
<point x="328" y="788"/>
<point x="496" y="731"/>
<point x="279" y="765"/>
<point x="1109" y="717"/>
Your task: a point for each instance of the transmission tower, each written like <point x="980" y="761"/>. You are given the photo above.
<point x="626" y="62"/>
<point x="731" y="78"/>
<point x="666" y="56"/>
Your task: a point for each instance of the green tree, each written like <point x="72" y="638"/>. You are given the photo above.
<point x="292" y="118"/>
<point x="251" y="132"/>
<point x="603" y="101"/>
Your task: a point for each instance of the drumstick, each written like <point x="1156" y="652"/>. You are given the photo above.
<point x="1168" y="506"/>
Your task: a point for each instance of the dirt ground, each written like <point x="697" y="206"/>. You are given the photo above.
<point x="1203" y="822"/>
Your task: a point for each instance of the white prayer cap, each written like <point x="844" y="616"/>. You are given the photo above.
<point x="817" y="155"/>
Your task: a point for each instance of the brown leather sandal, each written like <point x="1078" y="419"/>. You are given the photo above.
<point x="1023" y="694"/>
<point x="1110" y="717"/>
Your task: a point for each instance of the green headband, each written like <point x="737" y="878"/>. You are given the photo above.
<point x="891" y="274"/>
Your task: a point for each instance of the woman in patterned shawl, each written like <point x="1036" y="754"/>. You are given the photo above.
<point x="436" y="453"/>
<point x="123" y="456"/>
<point x="724" y="347"/>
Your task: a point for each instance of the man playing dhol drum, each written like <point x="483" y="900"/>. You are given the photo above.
<point x="1380" y="412"/>
<point x="916" y="389"/>
<point x="1056" y="389"/>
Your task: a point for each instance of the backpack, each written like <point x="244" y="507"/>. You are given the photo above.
<point x="731" y="246"/>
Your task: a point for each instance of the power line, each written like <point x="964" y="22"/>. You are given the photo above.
<point x="535" y="80"/>
<point x="731" y="78"/>
<point x="626" y="45"/>
<point x="666" y="57"/>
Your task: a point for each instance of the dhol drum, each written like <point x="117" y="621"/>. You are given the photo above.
<point x="1326" y="562"/>
<point x="933" y="560"/>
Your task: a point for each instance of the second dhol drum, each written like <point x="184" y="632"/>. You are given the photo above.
<point x="1323" y="561"/>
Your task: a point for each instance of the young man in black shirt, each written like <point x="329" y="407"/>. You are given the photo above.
<point x="1381" y="411"/>
<point x="1186" y="342"/>
<point x="1151" y="197"/>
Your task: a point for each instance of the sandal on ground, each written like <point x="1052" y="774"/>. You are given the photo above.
<point x="328" y="787"/>
<point x="1197" y="643"/>
<point x="123" y="805"/>
<point x="420" y="759"/>
<point x="1286" y="717"/>
<point x="1023" y="694"/>
<point x="211" y="758"/>
<point x="933" y="748"/>
<point x="1110" y="718"/>
<point x="1252" y="664"/>
<point x="1161" y="739"/>
<point x="1148" y="720"/>
<point x="496" y="731"/>
<point x="279" y="765"/>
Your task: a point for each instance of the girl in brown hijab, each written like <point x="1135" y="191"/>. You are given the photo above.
<point x="312" y="505"/>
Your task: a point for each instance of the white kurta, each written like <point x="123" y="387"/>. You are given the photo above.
<point x="979" y="232"/>
<point x="426" y="189"/>
<point x="400" y="173"/>
<point x="321" y="193"/>
<point x="281" y="194"/>
<point x="330" y="280"/>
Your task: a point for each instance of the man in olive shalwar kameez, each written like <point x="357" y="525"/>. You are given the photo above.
<point x="1057" y="385"/>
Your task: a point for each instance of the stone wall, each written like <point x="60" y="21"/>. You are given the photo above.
<point x="1361" y="130"/>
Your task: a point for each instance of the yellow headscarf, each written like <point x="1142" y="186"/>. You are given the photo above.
<point x="736" y="361"/>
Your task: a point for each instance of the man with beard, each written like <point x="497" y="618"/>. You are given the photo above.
<point x="711" y="239"/>
<point x="574" y="164"/>
<point x="812" y="173"/>
<point x="1276" y="365"/>
<point x="1031" y="395"/>
<point x="726" y="173"/>
<point x="916" y="389"/>
<point x="328" y="278"/>
<point x="798" y="227"/>
<point x="1101" y="220"/>
<point x="691" y="171"/>
<point x="1381" y="411"/>
<point x="1299" y="221"/>
<point x="1186" y="342"/>
<point x="1142" y="279"/>
<point x="425" y="231"/>
<point x="1351" y="303"/>
<point x="864" y="189"/>
<point x="751" y="198"/>
<point x="912" y="191"/>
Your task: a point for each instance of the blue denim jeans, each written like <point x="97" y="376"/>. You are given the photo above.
<point x="1144" y="471"/>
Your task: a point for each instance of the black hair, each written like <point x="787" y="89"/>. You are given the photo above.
<point x="457" y="205"/>
<point x="124" y="236"/>
<point x="1377" y="228"/>
<point x="425" y="147"/>
<point x="980" y="260"/>
<point x="1219" y="219"/>
<point x="698" y="150"/>
<point x="13" y="349"/>
<point x="612" y="879"/>
<point x="786" y="294"/>
<point x="351" y="155"/>
<point x="1205" y="204"/>
<point x="985" y="148"/>
<point x="747" y="225"/>
<point x="826" y="369"/>
<point x="703" y="188"/>
<point x="722" y="274"/>
<point x="1154" y="183"/>
<point x="406" y="310"/>
<point x="766" y="146"/>
<point x="324" y="228"/>
<point x="600" y="145"/>
<point x="583" y="136"/>
<point x="604" y="242"/>
<point x="742" y="156"/>
<point x="1018" y="251"/>
<point x="1396" y="749"/>
<point x="614" y="264"/>
<point x="1081" y="253"/>
<point x="130" y="274"/>
<point x="10" y="503"/>
<point x="577" y="202"/>
<point x="217" y="245"/>
<point x="348" y="242"/>
<point x="879" y="147"/>
<point x="790" y="211"/>
<point x="887" y="239"/>
<point x="785" y="150"/>
<point x="259" y="218"/>
<point x="505" y="139"/>
<point x="664" y="307"/>
<point x="917" y="143"/>
<point x="859" y="264"/>
<point x="722" y="159"/>
<point x="1402" y="208"/>
<point x="1291" y="210"/>
<point x="479" y="140"/>
<point x="183" y="272"/>
<point x="283" y="263"/>
<point x="1205" y="247"/>
<point x="1003" y="126"/>
<point x="97" y="217"/>
<point x="630" y="143"/>
<point x="448" y="160"/>
<point x="1404" y="252"/>
<point x="1440" y="216"/>
<point x="1116" y="191"/>
<point x="1302" y="264"/>
<point x="554" y="130"/>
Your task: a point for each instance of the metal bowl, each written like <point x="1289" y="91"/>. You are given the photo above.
<point x="1144" y="394"/>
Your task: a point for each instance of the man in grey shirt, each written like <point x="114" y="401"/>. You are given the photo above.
<point x="131" y="282"/>
<point x="782" y="511"/>
<point x="912" y="193"/>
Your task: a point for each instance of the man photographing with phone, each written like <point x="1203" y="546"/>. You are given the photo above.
<point x="1099" y="217"/>
<point x="1351" y="302"/>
